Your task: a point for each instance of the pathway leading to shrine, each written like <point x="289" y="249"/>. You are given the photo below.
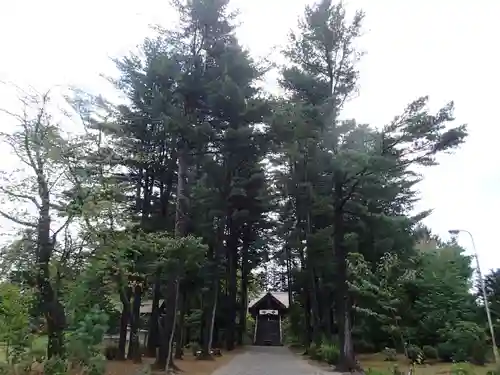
<point x="269" y="360"/>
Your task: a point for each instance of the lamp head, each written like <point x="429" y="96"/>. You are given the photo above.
<point x="454" y="232"/>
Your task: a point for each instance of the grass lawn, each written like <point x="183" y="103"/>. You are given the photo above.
<point x="376" y="362"/>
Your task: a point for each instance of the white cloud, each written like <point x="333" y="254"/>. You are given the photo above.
<point x="414" y="47"/>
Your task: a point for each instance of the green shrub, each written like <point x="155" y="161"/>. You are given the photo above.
<point x="314" y="352"/>
<point x="329" y="353"/>
<point x="415" y="354"/>
<point x="445" y="351"/>
<point x="430" y="352"/>
<point x="55" y="366"/>
<point x="466" y="341"/>
<point x="390" y="354"/>
<point x="462" y="369"/>
<point x="371" y="371"/>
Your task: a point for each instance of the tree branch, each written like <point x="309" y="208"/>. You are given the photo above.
<point x="20" y="196"/>
<point x="17" y="221"/>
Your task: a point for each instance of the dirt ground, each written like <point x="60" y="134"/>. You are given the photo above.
<point x="188" y="366"/>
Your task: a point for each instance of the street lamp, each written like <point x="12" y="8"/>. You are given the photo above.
<point x="455" y="232"/>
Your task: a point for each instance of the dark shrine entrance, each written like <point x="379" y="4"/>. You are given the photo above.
<point x="268" y="311"/>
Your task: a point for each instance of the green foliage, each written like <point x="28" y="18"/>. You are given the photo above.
<point x="55" y="366"/>
<point x="466" y="341"/>
<point x="329" y="353"/>
<point x="193" y="322"/>
<point x="80" y="304"/>
<point x="390" y="354"/>
<point x="446" y="350"/>
<point x="314" y="351"/>
<point x="84" y="343"/>
<point x="462" y="369"/>
<point x="372" y="371"/>
<point x="430" y="352"/>
<point x="15" y="308"/>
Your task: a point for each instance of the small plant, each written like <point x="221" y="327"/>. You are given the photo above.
<point x="329" y="353"/>
<point x="415" y="354"/>
<point x="371" y="371"/>
<point x="397" y="371"/>
<point x="430" y="352"/>
<point x="314" y="352"/>
<point x="462" y="369"/>
<point x="390" y="354"/>
<point x="83" y="344"/>
<point x="55" y="366"/>
<point x="96" y="365"/>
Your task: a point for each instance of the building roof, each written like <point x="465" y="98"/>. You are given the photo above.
<point x="280" y="296"/>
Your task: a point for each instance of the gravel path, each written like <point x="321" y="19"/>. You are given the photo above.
<point x="268" y="360"/>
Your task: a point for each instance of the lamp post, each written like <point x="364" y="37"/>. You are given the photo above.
<point x="455" y="232"/>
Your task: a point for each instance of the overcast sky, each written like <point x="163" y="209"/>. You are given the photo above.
<point x="442" y="48"/>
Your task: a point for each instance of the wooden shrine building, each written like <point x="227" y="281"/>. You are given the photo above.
<point x="268" y="310"/>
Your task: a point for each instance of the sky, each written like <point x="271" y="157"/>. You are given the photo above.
<point x="444" y="49"/>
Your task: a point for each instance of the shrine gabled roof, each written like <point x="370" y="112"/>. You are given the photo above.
<point x="280" y="296"/>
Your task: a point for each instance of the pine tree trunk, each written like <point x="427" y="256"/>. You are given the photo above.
<point x="289" y="274"/>
<point x="154" y="326"/>
<point x="124" y="320"/>
<point x="165" y="355"/>
<point x="211" y="308"/>
<point x="244" y="295"/>
<point x="179" y="333"/>
<point x="232" y="258"/>
<point x="153" y="335"/>
<point x="212" y="296"/>
<point x="53" y="311"/>
<point x="313" y="293"/>
<point x="134" y="348"/>
<point x="347" y="361"/>
<point x="55" y="328"/>
<point x="167" y="324"/>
